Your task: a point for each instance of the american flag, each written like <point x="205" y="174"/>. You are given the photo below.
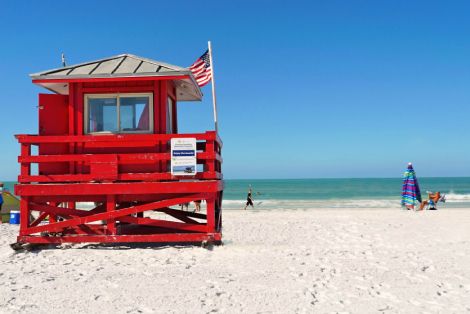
<point x="202" y="70"/>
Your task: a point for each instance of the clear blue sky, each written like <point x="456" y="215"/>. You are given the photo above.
<point x="305" y="89"/>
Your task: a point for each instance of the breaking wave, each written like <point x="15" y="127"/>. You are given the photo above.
<point x="457" y="198"/>
<point x="452" y="201"/>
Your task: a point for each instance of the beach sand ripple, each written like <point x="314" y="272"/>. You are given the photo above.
<point x="303" y="261"/>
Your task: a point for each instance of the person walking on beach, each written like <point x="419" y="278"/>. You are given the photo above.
<point x="197" y="203"/>
<point x="249" y="200"/>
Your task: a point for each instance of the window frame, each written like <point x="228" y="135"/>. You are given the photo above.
<point x="118" y="110"/>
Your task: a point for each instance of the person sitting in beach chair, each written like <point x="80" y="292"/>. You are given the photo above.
<point x="433" y="199"/>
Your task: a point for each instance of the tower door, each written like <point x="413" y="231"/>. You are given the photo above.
<point x="53" y="120"/>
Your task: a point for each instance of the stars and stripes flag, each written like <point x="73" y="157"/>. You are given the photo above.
<point x="202" y="69"/>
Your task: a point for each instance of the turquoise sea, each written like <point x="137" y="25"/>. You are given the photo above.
<point x="336" y="193"/>
<point x="340" y="193"/>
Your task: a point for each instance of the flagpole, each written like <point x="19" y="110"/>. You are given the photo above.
<point x="214" y="99"/>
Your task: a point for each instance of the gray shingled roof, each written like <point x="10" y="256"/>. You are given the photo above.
<point x="124" y="65"/>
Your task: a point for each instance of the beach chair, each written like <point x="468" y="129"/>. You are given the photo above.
<point x="432" y="204"/>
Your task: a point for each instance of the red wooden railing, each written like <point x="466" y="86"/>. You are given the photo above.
<point x="106" y="167"/>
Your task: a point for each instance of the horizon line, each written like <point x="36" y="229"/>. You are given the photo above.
<point x="315" y="178"/>
<point x="321" y="178"/>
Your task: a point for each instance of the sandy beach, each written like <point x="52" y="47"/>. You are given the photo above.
<point x="304" y="261"/>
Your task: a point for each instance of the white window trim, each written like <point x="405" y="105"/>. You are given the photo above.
<point x="118" y="116"/>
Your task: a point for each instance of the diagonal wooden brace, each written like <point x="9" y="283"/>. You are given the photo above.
<point x="53" y="227"/>
<point x="182" y="215"/>
<point x="60" y="211"/>
<point x="198" y="227"/>
<point x="38" y="220"/>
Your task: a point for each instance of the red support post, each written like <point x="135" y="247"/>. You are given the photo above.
<point x="71" y="113"/>
<point x="210" y="148"/>
<point x="24" y="215"/>
<point x="210" y="214"/>
<point x="111" y="207"/>
<point x="52" y="217"/>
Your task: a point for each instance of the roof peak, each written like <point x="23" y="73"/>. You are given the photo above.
<point x="121" y="66"/>
<point x="123" y="56"/>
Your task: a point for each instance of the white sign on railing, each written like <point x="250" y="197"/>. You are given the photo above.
<point x="183" y="156"/>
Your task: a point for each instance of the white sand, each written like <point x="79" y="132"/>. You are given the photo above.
<point x="322" y="261"/>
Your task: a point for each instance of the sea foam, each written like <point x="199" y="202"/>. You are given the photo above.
<point x="452" y="201"/>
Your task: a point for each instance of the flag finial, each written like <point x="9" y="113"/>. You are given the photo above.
<point x="63" y="60"/>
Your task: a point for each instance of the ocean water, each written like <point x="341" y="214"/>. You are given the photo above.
<point x="340" y="193"/>
<point x="336" y="193"/>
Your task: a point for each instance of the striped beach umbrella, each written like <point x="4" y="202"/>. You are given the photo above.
<point x="410" y="192"/>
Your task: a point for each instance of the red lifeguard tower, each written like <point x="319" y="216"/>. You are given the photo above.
<point x="104" y="138"/>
